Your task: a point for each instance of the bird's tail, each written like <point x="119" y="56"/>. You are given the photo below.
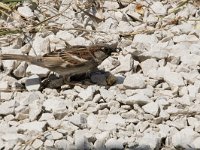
<point x="30" y="59"/>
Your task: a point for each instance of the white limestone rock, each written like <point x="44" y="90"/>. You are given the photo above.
<point x="158" y="8"/>
<point x="25" y="11"/>
<point x="33" y="126"/>
<point x="20" y="71"/>
<point x="55" y="104"/>
<point x="37" y="70"/>
<point x="87" y="95"/>
<point x="140" y="99"/>
<point x="37" y="144"/>
<point x="81" y="142"/>
<point x="79" y="120"/>
<point x="184" y="138"/>
<point x="35" y="110"/>
<point x="135" y="81"/>
<point x="54" y="135"/>
<point x="92" y="121"/>
<point x="114" y="144"/>
<point x="151" y="139"/>
<point x="62" y="144"/>
<point x="40" y="45"/>
<point x="151" y="108"/>
<point x="173" y="79"/>
<point x="126" y="64"/>
<point x="8" y="107"/>
<point x="148" y="65"/>
<point x="115" y="119"/>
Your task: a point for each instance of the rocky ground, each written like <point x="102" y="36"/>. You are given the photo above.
<point x="155" y="102"/>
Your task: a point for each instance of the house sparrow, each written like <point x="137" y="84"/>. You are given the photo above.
<point x="71" y="61"/>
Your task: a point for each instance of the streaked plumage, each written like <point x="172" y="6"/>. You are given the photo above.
<point x="71" y="61"/>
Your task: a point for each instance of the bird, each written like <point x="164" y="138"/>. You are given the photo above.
<point x="70" y="61"/>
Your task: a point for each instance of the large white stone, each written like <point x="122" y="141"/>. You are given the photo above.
<point x="81" y="142"/>
<point x="55" y="104"/>
<point x="184" y="138"/>
<point x="158" y="8"/>
<point x="32" y="126"/>
<point x="153" y="140"/>
<point x="148" y="65"/>
<point x="126" y="64"/>
<point x="114" y="144"/>
<point x="115" y="119"/>
<point x="78" y="119"/>
<point x="135" y="81"/>
<point x="40" y="71"/>
<point x="87" y="94"/>
<point x="140" y="99"/>
<point x="25" y="11"/>
<point x="8" y="107"/>
<point x="151" y="108"/>
<point x="173" y="79"/>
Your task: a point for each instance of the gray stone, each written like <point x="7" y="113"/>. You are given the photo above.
<point x="151" y="108"/>
<point x="33" y="83"/>
<point x="135" y="81"/>
<point x="184" y="138"/>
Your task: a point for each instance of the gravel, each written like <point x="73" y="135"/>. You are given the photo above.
<point x="154" y="103"/>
